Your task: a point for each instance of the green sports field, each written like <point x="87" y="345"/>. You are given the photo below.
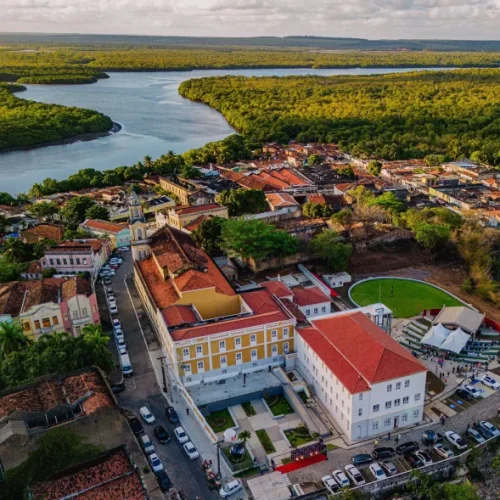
<point x="404" y="297"/>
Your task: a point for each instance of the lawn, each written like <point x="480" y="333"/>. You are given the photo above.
<point x="265" y="441"/>
<point x="298" y="436"/>
<point x="278" y="405"/>
<point x="404" y="297"/>
<point x="220" y="420"/>
<point x="248" y="409"/>
<point x="238" y="462"/>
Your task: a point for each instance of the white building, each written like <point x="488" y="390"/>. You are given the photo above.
<point x="370" y="384"/>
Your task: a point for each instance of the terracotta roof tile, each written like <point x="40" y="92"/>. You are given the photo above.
<point x="103" y="225"/>
<point x="75" y="286"/>
<point x="309" y="296"/>
<point x="260" y="302"/>
<point x="280" y="200"/>
<point x="277" y="288"/>
<point x="316" y="198"/>
<point x="185" y="210"/>
<point x="52" y="231"/>
<point x="178" y="315"/>
<point x="195" y="224"/>
<point x="163" y="291"/>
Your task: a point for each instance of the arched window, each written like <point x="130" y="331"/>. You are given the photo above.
<point x="139" y="234"/>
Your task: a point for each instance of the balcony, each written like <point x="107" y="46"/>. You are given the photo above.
<point x="82" y="321"/>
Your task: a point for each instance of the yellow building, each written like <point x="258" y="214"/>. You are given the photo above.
<point x="207" y="330"/>
<point x="185" y="217"/>
<point x="186" y="191"/>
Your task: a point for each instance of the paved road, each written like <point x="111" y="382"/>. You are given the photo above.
<point x="142" y="389"/>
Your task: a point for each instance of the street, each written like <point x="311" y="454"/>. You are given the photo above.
<point x="143" y="390"/>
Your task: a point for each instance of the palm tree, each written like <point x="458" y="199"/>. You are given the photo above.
<point x="244" y="436"/>
<point x="15" y="250"/>
<point x="148" y="162"/>
<point x="94" y="335"/>
<point x="11" y="337"/>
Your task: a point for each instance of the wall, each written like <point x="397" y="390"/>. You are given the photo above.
<point x="238" y="400"/>
<point x="276" y="262"/>
<point x="211" y="304"/>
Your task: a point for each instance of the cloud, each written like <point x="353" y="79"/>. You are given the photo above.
<point x="470" y="19"/>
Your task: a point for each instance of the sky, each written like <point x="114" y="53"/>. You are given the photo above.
<point x="452" y="19"/>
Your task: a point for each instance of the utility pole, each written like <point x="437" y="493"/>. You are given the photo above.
<point x="163" y="373"/>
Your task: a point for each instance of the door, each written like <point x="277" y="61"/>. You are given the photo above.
<point x="359" y="431"/>
<point x="396" y="422"/>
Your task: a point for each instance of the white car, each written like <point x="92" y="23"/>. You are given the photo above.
<point x="473" y="391"/>
<point x="122" y="350"/>
<point x="155" y="462"/>
<point x="148" y="417"/>
<point x="341" y="478"/>
<point x="377" y="471"/>
<point x="181" y="435"/>
<point x="113" y="309"/>
<point x="121" y="343"/>
<point x="490" y="382"/>
<point x="117" y="324"/>
<point x="490" y="427"/>
<point x="191" y="451"/>
<point x="116" y="261"/>
<point x="330" y="483"/>
<point x="124" y="249"/>
<point x="389" y="468"/>
<point x="354" y="475"/>
<point x="455" y="440"/>
<point x="424" y="457"/>
<point x="112" y="300"/>
<point x="119" y="336"/>
<point x="443" y="451"/>
<point x="230" y="488"/>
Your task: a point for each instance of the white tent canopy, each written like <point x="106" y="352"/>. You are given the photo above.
<point x="456" y="341"/>
<point x="436" y="336"/>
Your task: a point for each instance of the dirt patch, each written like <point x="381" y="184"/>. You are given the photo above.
<point x="434" y="383"/>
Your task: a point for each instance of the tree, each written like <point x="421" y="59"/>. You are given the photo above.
<point x="190" y="172"/>
<point x="360" y="194"/>
<point x="346" y="171"/>
<point x="9" y="271"/>
<point x="315" y="210"/>
<point x="244" y="436"/>
<point x="43" y="210"/>
<point x="332" y="250"/>
<point x="75" y="210"/>
<point x="243" y="201"/>
<point x="7" y="199"/>
<point x="94" y="335"/>
<point x="314" y="159"/>
<point x="17" y="251"/>
<point x="432" y="236"/>
<point x="208" y="235"/>
<point x="97" y="212"/>
<point x="374" y="167"/>
<point x="48" y="272"/>
<point x="369" y="216"/>
<point x="388" y="201"/>
<point x="345" y="218"/>
<point x="11" y="338"/>
<point x="41" y="246"/>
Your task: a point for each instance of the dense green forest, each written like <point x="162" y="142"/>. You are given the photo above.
<point x="84" y="64"/>
<point x="28" y="123"/>
<point x="394" y="116"/>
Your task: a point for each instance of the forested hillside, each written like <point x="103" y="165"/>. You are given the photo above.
<point x="405" y="115"/>
<point x="29" y="123"/>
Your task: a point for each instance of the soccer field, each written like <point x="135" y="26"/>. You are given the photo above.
<point x="405" y="298"/>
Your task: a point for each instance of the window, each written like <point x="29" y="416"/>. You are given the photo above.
<point x="84" y="262"/>
<point x="201" y="366"/>
<point x="404" y="417"/>
<point x="274" y="334"/>
<point x="187" y="368"/>
<point x="416" y="413"/>
<point x="55" y="320"/>
<point x="417" y="397"/>
<point x="398" y="386"/>
<point x="239" y="358"/>
<point x="323" y="309"/>
<point x="389" y="388"/>
<point x="199" y="350"/>
<point x="374" y="426"/>
<point x="185" y="353"/>
<point x="46" y="322"/>
<point x="51" y="262"/>
<point x="65" y="262"/>
<point x="253" y="339"/>
<point x="58" y="262"/>
<point x="342" y="403"/>
<point x="223" y="361"/>
<point x="237" y="342"/>
<point x="274" y="350"/>
<point x="360" y="412"/>
<point x="222" y="345"/>
<point x="397" y="402"/>
<point x="341" y="416"/>
<point x="308" y="312"/>
<point x="316" y="310"/>
<point x="407" y="383"/>
<point x="387" y="422"/>
<point x="388" y="404"/>
<point x="285" y="333"/>
<point x="253" y="354"/>
<point x="361" y="396"/>
<point x="77" y="261"/>
<point x="71" y="262"/>
<point x="376" y="408"/>
<point x="75" y="314"/>
<point x="26" y="326"/>
<point x="84" y="312"/>
<point x="405" y="400"/>
<point x="286" y="347"/>
<point x="336" y="396"/>
<point x="347" y="425"/>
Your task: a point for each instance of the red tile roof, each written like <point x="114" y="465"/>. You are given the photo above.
<point x="52" y="231"/>
<point x="309" y="296"/>
<point x="195" y="224"/>
<point x="69" y="246"/>
<point x="277" y="288"/>
<point x="103" y="225"/>
<point x="186" y="210"/>
<point x="358" y="352"/>
<point x="316" y="198"/>
<point x="75" y="286"/>
<point x="178" y="315"/>
<point x="260" y="302"/>
<point x="281" y="200"/>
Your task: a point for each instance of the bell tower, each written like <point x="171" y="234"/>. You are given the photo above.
<point x="138" y="229"/>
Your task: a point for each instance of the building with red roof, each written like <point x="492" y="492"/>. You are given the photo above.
<point x="118" y="233"/>
<point x="369" y="382"/>
<point x="189" y="217"/>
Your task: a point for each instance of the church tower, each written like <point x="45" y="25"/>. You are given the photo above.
<point x="138" y="229"/>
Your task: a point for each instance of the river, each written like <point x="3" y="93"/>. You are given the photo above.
<point x="153" y="116"/>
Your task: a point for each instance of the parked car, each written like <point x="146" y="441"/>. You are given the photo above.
<point x="115" y="260"/>
<point x="341" y="478"/>
<point x="330" y="483"/>
<point x="191" y="451"/>
<point x="147" y="444"/>
<point x="109" y="290"/>
<point x="361" y="459"/>
<point x="455" y="440"/>
<point x="163" y="480"/>
<point x="389" y="468"/>
<point x="230" y="488"/>
<point x="383" y="452"/>
<point x="107" y="280"/>
<point x="124" y="249"/>
<point x="473" y="391"/>
<point x="407" y="447"/>
<point x="414" y="460"/>
<point x="490" y="427"/>
<point x="119" y="335"/>
<point x="122" y="350"/>
<point x="121" y="343"/>
<point x="172" y="415"/>
<point x="429" y="437"/>
<point x="354" y="475"/>
<point x="136" y="426"/>
<point x="181" y="435"/>
<point x="148" y="417"/>
<point x="490" y="382"/>
<point x="117" y="388"/>
<point x="424" y="457"/>
<point x="463" y="394"/>
<point x="155" y="462"/>
<point x="161" y="434"/>
<point x="117" y="324"/>
<point x="484" y="432"/>
<point x="475" y="435"/>
<point x="113" y="309"/>
<point x="443" y="451"/>
<point x="377" y="471"/>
